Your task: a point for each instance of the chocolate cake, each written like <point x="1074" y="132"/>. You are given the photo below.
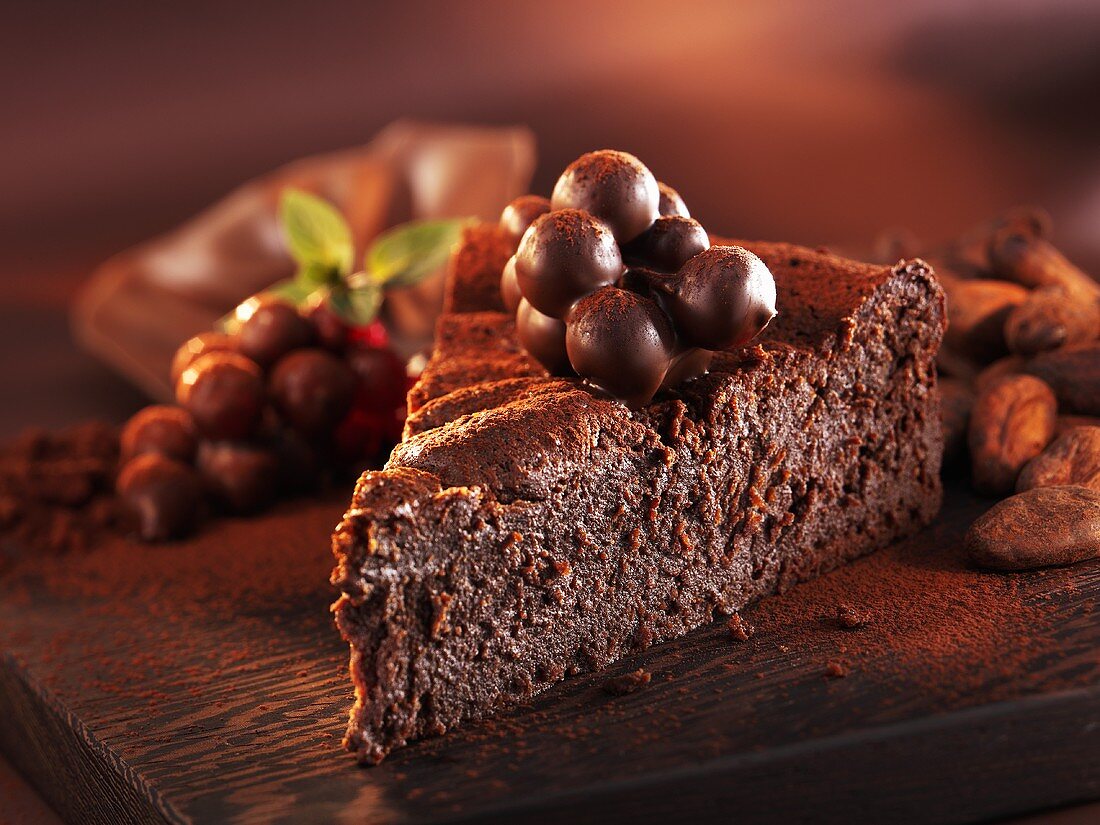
<point x="527" y="529"/>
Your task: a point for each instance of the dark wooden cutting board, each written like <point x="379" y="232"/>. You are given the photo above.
<point x="204" y="682"/>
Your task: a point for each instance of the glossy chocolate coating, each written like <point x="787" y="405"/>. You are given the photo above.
<point x="194" y="348"/>
<point x="668" y="244"/>
<point x="614" y="186"/>
<point x="521" y="213"/>
<point x="622" y="343"/>
<point x="241" y="476"/>
<point x="564" y="256"/>
<point x="273" y="330"/>
<point x="509" y="286"/>
<point x="312" y="389"/>
<point x="723" y="298"/>
<point x="691" y="363"/>
<point x="160" y="496"/>
<point x="543" y="337"/>
<point x="670" y="204"/>
<point x="224" y="393"/>
<point x="162" y="429"/>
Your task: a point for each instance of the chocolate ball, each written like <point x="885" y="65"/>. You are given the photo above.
<point x="668" y="244"/>
<point x="621" y="342"/>
<point x="564" y="256"/>
<point x="224" y="393"/>
<point x="521" y="213"/>
<point x="509" y="287"/>
<point x="274" y="329"/>
<point x="543" y="337"/>
<point x="241" y="476"/>
<point x="613" y="186"/>
<point x="670" y="204"/>
<point x="198" y="346"/>
<point x="723" y="298"/>
<point x="162" y="429"/>
<point x="312" y="389"/>
<point x="329" y="329"/>
<point x="160" y="496"/>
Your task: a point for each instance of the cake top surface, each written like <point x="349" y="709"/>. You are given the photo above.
<point x="486" y="418"/>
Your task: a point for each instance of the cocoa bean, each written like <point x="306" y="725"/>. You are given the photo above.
<point x="1072" y="458"/>
<point x="1051" y="318"/>
<point x="1011" y="422"/>
<point x="1009" y="365"/>
<point x="1074" y="375"/>
<point x="956" y="400"/>
<point x="976" y="314"/>
<point x="1035" y="262"/>
<point x="1044" y="527"/>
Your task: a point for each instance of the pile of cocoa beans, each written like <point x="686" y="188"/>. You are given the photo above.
<point x="1020" y="382"/>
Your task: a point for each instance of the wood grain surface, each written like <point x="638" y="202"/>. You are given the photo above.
<point x="204" y="682"/>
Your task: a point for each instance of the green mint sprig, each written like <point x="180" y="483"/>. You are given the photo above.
<point x="320" y="241"/>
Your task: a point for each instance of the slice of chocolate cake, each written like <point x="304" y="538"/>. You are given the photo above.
<point x="527" y="529"/>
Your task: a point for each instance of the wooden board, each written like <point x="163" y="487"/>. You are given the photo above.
<point x="204" y="682"/>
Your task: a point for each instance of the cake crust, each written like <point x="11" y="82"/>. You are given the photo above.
<point x="527" y="529"/>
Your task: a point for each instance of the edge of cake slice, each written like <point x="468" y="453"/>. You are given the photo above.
<point x="527" y="529"/>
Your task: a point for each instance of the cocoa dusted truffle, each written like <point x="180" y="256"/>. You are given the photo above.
<point x="621" y="342"/>
<point x="162" y="497"/>
<point x="271" y="331"/>
<point x="670" y="204"/>
<point x="521" y="213"/>
<point x="668" y="244"/>
<point x="565" y="255"/>
<point x="312" y="389"/>
<point x="543" y="337"/>
<point x="723" y="298"/>
<point x="224" y="393"/>
<point x="613" y="186"/>
<point x="162" y="429"/>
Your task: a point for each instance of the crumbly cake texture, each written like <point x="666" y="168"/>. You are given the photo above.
<point x="527" y="529"/>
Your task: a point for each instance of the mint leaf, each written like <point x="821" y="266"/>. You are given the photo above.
<point x="358" y="302"/>
<point x="410" y="252"/>
<point x="317" y="235"/>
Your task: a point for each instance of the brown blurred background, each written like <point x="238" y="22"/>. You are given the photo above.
<point x="813" y="122"/>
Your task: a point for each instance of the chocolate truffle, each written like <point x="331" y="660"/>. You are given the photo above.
<point x="615" y="187"/>
<point x="274" y="329"/>
<point x="521" y="213"/>
<point x="621" y="342"/>
<point x="241" y="476"/>
<point x="162" y="429"/>
<point x="509" y="286"/>
<point x="564" y="256"/>
<point x="668" y="244"/>
<point x="198" y="346"/>
<point x="224" y="393"/>
<point x="329" y="329"/>
<point x="312" y="389"/>
<point x="162" y="497"/>
<point x="543" y="337"/>
<point x="670" y="204"/>
<point x="723" y="298"/>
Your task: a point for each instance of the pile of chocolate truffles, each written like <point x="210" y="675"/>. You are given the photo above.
<point x="264" y="412"/>
<point x="612" y="280"/>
